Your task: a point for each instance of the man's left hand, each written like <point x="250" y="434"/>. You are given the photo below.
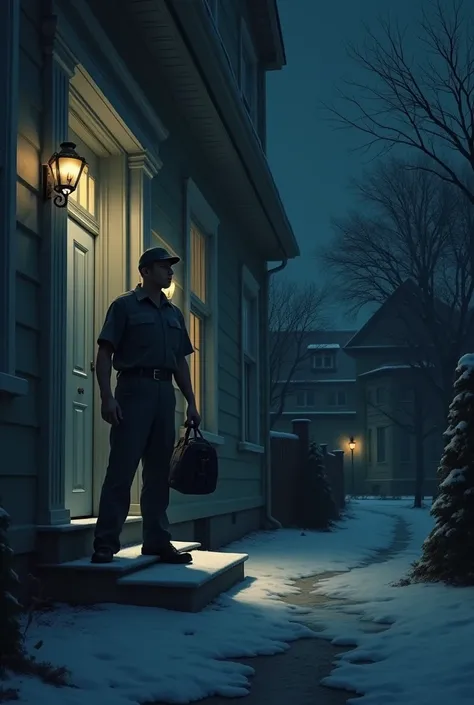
<point x="192" y="417"/>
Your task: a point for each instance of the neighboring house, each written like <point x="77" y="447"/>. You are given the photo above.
<point x="397" y="408"/>
<point x="323" y="390"/>
<point x="166" y="101"/>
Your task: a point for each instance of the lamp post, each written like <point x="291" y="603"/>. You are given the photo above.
<point x="352" y="445"/>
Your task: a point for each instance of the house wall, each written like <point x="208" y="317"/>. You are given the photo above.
<point x="238" y="500"/>
<point x="19" y="422"/>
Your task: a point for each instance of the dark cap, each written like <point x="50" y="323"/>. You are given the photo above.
<point x="156" y="254"/>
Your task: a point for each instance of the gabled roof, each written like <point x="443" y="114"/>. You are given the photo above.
<point x="396" y="300"/>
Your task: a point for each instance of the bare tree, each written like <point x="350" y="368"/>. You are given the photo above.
<point x="421" y="100"/>
<point x="411" y="227"/>
<point x="294" y="311"/>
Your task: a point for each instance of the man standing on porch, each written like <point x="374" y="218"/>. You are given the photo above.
<point x="144" y="337"/>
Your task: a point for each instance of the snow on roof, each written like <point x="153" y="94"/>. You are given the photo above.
<point x="324" y="346"/>
<point x="385" y="368"/>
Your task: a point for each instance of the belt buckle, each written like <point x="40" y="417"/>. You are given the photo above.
<point x="156" y="375"/>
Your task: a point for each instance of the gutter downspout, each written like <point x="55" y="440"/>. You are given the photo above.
<point x="270" y="521"/>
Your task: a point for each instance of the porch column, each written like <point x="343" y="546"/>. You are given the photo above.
<point x="142" y="168"/>
<point x="58" y="68"/>
<point x="9" y="80"/>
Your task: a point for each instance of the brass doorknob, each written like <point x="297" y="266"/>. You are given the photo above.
<point x="80" y="390"/>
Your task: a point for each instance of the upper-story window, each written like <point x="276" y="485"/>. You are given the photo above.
<point x="324" y="360"/>
<point x="305" y="398"/>
<point x="337" y="398"/>
<point x="248" y="71"/>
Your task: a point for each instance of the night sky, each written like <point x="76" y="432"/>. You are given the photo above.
<point x="311" y="162"/>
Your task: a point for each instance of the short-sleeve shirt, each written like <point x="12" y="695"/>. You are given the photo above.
<point x="143" y="334"/>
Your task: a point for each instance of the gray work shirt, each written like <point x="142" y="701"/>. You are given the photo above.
<point x="143" y="334"/>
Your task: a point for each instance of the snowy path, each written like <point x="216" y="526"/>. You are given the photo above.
<point x="408" y="645"/>
<point x="421" y="650"/>
<point x="120" y="655"/>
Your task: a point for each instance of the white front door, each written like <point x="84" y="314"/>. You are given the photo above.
<point x="80" y="377"/>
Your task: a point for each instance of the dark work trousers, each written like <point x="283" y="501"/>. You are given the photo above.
<point x="146" y="433"/>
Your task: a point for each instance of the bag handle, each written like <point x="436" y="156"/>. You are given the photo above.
<point x="197" y="432"/>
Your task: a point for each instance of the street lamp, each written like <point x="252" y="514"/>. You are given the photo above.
<point x="352" y="445"/>
<point x="62" y="174"/>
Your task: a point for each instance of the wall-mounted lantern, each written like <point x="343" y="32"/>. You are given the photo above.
<point x="62" y="174"/>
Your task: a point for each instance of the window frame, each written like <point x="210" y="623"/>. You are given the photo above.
<point x="334" y="395"/>
<point x="369" y="447"/>
<point x="200" y="215"/>
<point x="379" y="460"/>
<point x="306" y="405"/>
<point x="250" y="291"/>
<point x="322" y="355"/>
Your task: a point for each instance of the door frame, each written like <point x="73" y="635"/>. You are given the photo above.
<point x="124" y="218"/>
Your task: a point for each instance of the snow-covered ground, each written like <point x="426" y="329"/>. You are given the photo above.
<point x="123" y="655"/>
<point x="120" y="655"/>
<point x="426" y="657"/>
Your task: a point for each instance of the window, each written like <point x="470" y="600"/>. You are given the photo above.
<point x="369" y="446"/>
<point x="198" y="315"/>
<point x="248" y="72"/>
<point x="337" y="398"/>
<point x="250" y="359"/>
<point x="200" y="305"/>
<point x="369" y="396"/>
<point x="85" y="196"/>
<point x="305" y="398"/>
<point x="324" y="361"/>
<point x="381" y="444"/>
<point x="381" y="395"/>
<point x="405" y="446"/>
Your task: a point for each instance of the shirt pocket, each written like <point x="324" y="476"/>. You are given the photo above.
<point x="175" y="335"/>
<point x="142" y="328"/>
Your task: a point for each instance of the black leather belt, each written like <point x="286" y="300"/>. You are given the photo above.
<point x="149" y="373"/>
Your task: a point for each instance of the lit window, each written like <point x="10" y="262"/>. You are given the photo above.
<point x="198" y="264"/>
<point x="196" y="361"/>
<point x="85" y="195"/>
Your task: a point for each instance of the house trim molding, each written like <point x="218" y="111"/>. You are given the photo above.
<point x="10" y="384"/>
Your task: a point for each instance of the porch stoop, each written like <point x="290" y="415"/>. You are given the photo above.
<point x="133" y="579"/>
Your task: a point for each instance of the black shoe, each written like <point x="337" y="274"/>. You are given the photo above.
<point x="102" y="555"/>
<point x="169" y="554"/>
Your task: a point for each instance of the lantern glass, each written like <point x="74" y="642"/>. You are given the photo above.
<point x="66" y="168"/>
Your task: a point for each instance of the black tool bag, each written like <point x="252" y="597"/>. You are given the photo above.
<point x="194" y="467"/>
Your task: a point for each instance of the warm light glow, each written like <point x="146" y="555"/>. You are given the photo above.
<point x="169" y="291"/>
<point x="66" y="168"/>
<point x="352" y="443"/>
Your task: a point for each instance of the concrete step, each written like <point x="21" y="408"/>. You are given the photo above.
<point x="187" y="588"/>
<point x="68" y="542"/>
<point x="83" y="582"/>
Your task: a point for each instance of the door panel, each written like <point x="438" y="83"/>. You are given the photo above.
<point x="80" y="381"/>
